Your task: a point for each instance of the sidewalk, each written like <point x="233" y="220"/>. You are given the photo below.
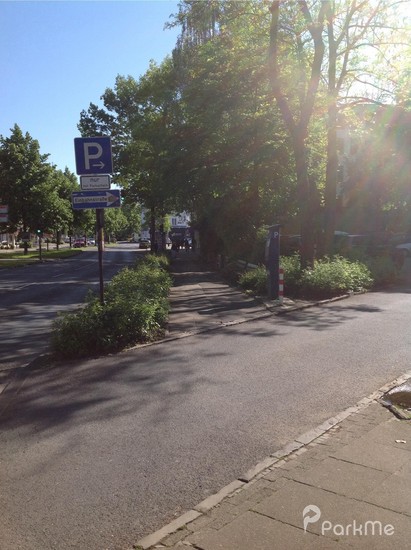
<point x="200" y="300"/>
<point x="345" y="484"/>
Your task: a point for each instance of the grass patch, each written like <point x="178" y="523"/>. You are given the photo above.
<point x="135" y="311"/>
<point x="18" y="258"/>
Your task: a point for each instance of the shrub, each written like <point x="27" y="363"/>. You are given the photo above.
<point x="135" y="310"/>
<point x="329" y="277"/>
<point x="292" y="274"/>
<point x="254" y="280"/>
<point x="333" y="276"/>
<point x="157" y="260"/>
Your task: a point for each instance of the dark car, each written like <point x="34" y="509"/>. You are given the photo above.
<point x="143" y="243"/>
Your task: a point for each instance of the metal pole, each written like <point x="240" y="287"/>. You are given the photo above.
<point x="100" y="242"/>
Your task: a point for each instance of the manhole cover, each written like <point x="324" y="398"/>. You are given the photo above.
<point x="398" y="400"/>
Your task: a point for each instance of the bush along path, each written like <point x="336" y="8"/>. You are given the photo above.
<point x="135" y="311"/>
<point x="328" y="278"/>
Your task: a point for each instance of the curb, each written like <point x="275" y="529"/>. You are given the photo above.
<point x="295" y="447"/>
<point x="271" y="310"/>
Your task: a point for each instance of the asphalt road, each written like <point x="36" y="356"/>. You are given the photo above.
<point x="32" y="296"/>
<point x="94" y="455"/>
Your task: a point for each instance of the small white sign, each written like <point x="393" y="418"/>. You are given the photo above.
<point x="4" y="218"/>
<point x="90" y="183"/>
<point x="4" y="208"/>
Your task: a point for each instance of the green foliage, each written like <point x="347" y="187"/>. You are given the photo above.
<point x="329" y="277"/>
<point x="37" y="193"/>
<point x="292" y="274"/>
<point x="254" y="280"/>
<point x="334" y="276"/>
<point x="160" y="261"/>
<point x="135" y="310"/>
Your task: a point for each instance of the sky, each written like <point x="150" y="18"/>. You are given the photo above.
<point x="59" y="56"/>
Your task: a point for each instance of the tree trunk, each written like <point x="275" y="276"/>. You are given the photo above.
<point x="297" y="120"/>
<point x="306" y="199"/>
<point x="330" y="193"/>
<point x="153" y="228"/>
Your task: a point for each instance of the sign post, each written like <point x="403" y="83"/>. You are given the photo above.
<point x="100" y="244"/>
<point x="94" y="163"/>
<point x="82" y="200"/>
<point x="95" y="182"/>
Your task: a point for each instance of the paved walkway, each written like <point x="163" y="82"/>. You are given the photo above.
<point x="200" y="300"/>
<point x="345" y="484"/>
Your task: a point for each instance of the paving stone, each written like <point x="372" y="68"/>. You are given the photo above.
<point x="252" y="493"/>
<point x="288" y="504"/>
<point x="252" y="531"/>
<point x="274" y="474"/>
<point x="393" y="493"/>
<point x="310" y="436"/>
<point x="258" y="469"/>
<point x="288" y="449"/>
<point x="215" y="499"/>
<point x="226" y="513"/>
<point x="158" y="536"/>
<point x="388" y="433"/>
<point x="405" y="470"/>
<point x="375" y="455"/>
<point x="176" y="537"/>
<point x="376" y="412"/>
<point x="203" y="521"/>
<point x="343" y="478"/>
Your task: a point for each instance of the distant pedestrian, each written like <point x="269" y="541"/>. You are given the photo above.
<point x="193" y="244"/>
<point x="186" y="245"/>
<point x="174" y="249"/>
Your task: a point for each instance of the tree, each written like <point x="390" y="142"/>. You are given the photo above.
<point x="364" y="41"/>
<point x="138" y="116"/>
<point x="24" y="177"/>
<point x="325" y="56"/>
<point x="232" y="164"/>
<point x="56" y="213"/>
<point x="296" y="96"/>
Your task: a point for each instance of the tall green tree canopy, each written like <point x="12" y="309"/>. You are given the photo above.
<point x="24" y="177"/>
<point x="239" y="126"/>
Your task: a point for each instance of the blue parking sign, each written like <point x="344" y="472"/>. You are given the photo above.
<point x="93" y="155"/>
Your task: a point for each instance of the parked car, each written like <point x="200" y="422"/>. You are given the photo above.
<point x="401" y="242"/>
<point x="79" y="243"/>
<point x="5" y="245"/>
<point x="144" y="243"/>
<point x="91" y="242"/>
